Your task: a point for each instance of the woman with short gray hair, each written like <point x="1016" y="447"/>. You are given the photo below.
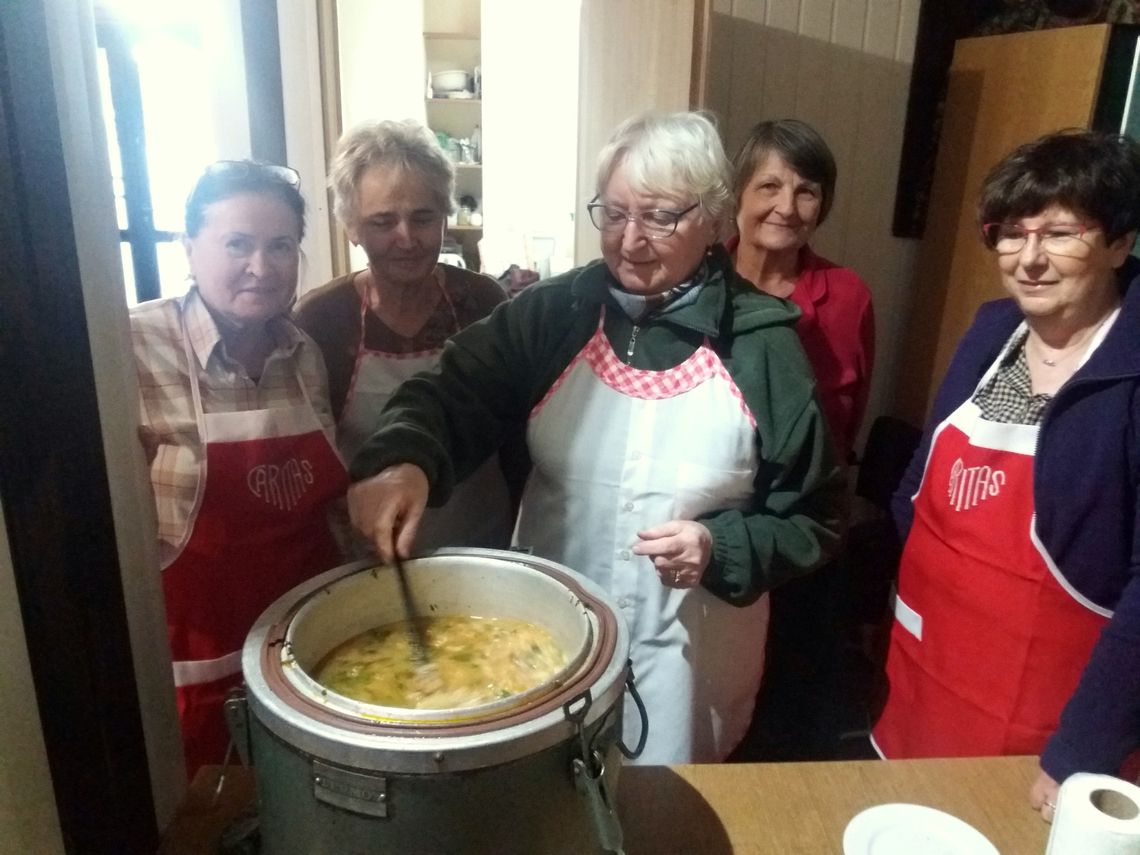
<point x="407" y="145"/>
<point x="679" y="153"/>
<point x="393" y="188"/>
<point x="679" y="456"/>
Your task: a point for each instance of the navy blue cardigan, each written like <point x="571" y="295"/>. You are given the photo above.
<point x="1086" y="478"/>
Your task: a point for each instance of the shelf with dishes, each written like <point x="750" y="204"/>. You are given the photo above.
<point x="453" y="76"/>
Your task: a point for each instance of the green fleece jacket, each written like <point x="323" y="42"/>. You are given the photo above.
<point x="493" y="373"/>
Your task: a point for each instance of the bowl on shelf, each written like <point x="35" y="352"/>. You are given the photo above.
<point x="450" y="81"/>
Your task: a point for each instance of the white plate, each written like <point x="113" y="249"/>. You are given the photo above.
<point x="901" y="829"/>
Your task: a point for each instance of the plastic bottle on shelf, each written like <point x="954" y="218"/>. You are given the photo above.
<point x="477" y="144"/>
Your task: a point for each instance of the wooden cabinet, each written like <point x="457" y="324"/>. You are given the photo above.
<point x="1003" y="91"/>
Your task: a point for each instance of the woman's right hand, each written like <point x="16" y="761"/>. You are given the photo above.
<point x="387" y="508"/>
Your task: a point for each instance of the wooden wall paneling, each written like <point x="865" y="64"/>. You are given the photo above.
<point x="719" y="68"/>
<point x="781" y="68"/>
<point x="1003" y="90"/>
<point x="880" y="79"/>
<point x="812" y="95"/>
<point x="699" y="63"/>
<point x="880" y="33"/>
<point x="842" y="82"/>
<point x="815" y="19"/>
<point x="815" y="55"/>
<point x="908" y="30"/>
<point x="839" y="128"/>
<point x="742" y="30"/>
<point x="850" y="21"/>
<point x="843" y="66"/>
<point x="784" y="15"/>
<point x="883" y="261"/>
<point x="746" y="103"/>
<point x="755" y="11"/>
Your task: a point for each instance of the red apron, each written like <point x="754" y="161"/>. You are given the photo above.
<point x="257" y="530"/>
<point x="989" y="640"/>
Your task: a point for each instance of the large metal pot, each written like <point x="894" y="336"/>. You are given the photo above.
<point x="532" y="773"/>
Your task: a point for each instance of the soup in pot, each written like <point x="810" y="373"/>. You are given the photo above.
<point x="472" y="661"/>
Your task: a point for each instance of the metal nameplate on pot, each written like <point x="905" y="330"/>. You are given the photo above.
<point x="354" y="791"/>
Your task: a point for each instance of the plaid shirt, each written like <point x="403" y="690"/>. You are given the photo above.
<point x="1008" y="395"/>
<point x="168" y="425"/>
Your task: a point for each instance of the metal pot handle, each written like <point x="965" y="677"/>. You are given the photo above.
<point x="589" y="771"/>
<point x="636" y="752"/>
<point x="596" y="788"/>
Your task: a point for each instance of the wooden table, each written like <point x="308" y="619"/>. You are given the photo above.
<point x="777" y="808"/>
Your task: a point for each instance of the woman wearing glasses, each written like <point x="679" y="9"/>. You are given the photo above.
<point x="237" y="430"/>
<point x="1017" y="624"/>
<point x="393" y="188"/>
<point x="680" y="458"/>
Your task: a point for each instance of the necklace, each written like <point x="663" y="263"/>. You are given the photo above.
<point x="1066" y="352"/>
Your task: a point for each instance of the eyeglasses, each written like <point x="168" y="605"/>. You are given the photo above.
<point x="1065" y="239"/>
<point x="654" y="224"/>
<point x="239" y="169"/>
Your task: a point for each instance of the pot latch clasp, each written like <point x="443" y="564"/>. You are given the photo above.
<point x="590" y="777"/>
<point x="591" y="783"/>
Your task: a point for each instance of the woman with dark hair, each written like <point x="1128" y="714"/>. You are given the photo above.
<point x="1017" y="622"/>
<point x="237" y="431"/>
<point x="784" y="183"/>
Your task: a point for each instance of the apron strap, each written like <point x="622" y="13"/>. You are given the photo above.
<point x="200" y="421"/>
<point x="440" y="280"/>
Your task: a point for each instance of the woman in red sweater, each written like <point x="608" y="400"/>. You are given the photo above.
<point x="785" y="183"/>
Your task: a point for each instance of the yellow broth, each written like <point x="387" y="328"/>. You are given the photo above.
<point x="472" y="660"/>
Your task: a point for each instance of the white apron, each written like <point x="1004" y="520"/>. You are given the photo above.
<point x="478" y="512"/>
<point x="617" y="450"/>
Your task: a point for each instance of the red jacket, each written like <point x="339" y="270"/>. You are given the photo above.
<point x="837" y="330"/>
